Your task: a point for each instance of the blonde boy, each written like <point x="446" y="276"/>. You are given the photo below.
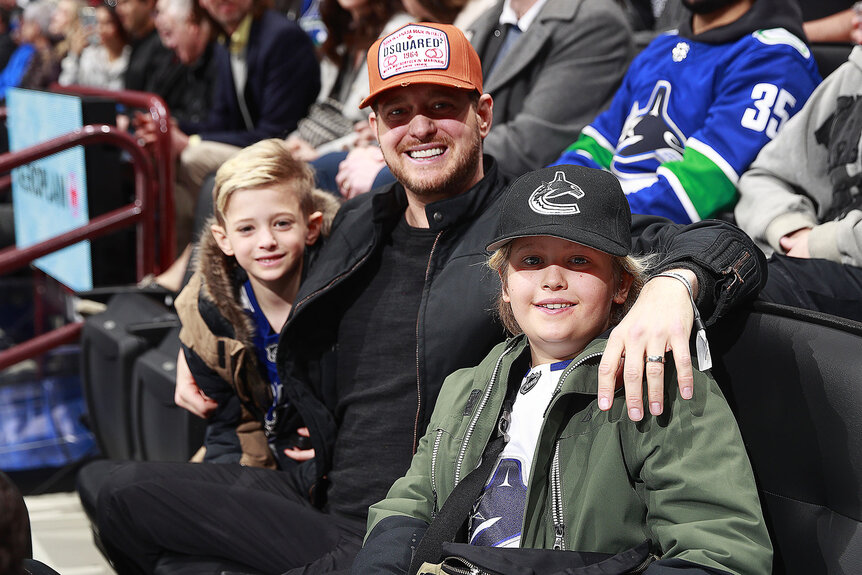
<point x="267" y="217"/>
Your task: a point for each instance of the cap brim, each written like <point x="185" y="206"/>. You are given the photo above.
<point x="415" y="78"/>
<point x="584" y="238"/>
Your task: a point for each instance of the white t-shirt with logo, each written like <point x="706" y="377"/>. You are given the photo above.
<point x="499" y="511"/>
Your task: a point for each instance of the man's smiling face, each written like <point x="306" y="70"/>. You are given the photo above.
<point x="431" y="137"/>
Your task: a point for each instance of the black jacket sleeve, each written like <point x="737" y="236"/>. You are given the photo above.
<point x="730" y="269"/>
<point x="389" y="547"/>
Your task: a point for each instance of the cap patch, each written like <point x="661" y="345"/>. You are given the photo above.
<point x="557" y="197"/>
<point x="411" y="49"/>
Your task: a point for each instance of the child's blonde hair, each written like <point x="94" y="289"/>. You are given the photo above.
<point x="269" y="163"/>
<point x="635" y="266"/>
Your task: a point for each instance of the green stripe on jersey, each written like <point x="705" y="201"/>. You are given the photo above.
<point x="602" y="156"/>
<point x="705" y="184"/>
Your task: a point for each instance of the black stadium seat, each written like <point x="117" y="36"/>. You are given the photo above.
<point x="794" y="380"/>
<point x="830" y="55"/>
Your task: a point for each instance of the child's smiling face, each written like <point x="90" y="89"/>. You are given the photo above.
<point x="265" y="230"/>
<point x="561" y="294"/>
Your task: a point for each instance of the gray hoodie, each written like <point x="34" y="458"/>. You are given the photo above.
<point x="810" y="175"/>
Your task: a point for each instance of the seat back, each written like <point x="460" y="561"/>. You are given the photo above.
<point x="830" y="55"/>
<point x="794" y="381"/>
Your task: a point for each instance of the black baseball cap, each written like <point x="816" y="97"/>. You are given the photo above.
<point x="574" y="203"/>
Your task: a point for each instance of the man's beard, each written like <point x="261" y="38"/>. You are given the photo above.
<point x="707" y="6"/>
<point x="461" y="172"/>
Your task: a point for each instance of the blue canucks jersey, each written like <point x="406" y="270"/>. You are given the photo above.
<point x="691" y="116"/>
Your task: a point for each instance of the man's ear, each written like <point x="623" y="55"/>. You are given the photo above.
<point x="623" y="291"/>
<point x="372" y="121"/>
<point x="314" y="222"/>
<point x="222" y="239"/>
<point x="485" y="111"/>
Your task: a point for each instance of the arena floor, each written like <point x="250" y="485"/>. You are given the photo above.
<point x="61" y="535"/>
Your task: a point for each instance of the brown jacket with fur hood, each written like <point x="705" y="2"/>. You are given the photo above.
<point x="217" y="337"/>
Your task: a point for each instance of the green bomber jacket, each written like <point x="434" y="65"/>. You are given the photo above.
<point x="599" y="482"/>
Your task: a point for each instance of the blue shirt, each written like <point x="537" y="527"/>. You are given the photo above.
<point x="266" y="344"/>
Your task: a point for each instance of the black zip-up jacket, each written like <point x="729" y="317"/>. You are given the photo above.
<point x="456" y="325"/>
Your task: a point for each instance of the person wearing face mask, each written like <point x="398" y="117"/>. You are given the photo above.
<point x="697" y="105"/>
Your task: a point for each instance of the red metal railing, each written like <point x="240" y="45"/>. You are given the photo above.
<point x="139" y="213"/>
<point x="163" y="162"/>
<point x="154" y="189"/>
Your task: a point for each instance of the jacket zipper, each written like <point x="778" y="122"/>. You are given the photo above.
<point x="557" y="502"/>
<point x="326" y="288"/>
<point x="485" y="397"/>
<point x="434" y="452"/>
<point x="418" y="379"/>
<point x="468" y="569"/>
<point x="645" y="563"/>
<point x="556" y="482"/>
<point x="734" y="269"/>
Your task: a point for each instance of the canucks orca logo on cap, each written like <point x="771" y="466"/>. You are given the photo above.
<point x="557" y="197"/>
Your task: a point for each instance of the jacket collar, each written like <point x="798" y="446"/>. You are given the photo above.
<point x="590" y="355"/>
<point x="389" y="205"/>
<point x="238" y="41"/>
<point x="216" y="291"/>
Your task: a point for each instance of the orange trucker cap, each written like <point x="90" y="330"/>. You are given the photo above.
<point x="422" y="53"/>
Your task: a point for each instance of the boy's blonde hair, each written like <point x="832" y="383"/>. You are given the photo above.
<point x="269" y="163"/>
<point x="635" y="266"/>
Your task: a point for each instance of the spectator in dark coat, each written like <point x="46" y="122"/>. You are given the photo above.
<point x="189" y="31"/>
<point x="267" y="77"/>
<point x="152" y="67"/>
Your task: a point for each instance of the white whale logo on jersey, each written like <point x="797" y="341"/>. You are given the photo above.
<point x="649" y="134"/>
<point x="557" y="197"/>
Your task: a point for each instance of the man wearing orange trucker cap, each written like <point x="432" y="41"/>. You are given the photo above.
<point x="397" y="299"/>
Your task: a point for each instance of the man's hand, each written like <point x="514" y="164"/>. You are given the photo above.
<point x="188" y="395"/>
<point x="147" y="130"/>
<point x="298" y="454"/>
<point x="795" y="244"/>
<point x="145" y="127"/>
<point x="660" y="321"/>
<point x="357" y="172"/>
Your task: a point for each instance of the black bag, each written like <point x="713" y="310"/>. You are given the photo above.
<point x="162" y="430"/>
<point x="476" y="560"/>
<point x="110" y="343"/>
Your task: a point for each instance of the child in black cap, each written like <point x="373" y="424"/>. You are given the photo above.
<point x="568" y="475"/>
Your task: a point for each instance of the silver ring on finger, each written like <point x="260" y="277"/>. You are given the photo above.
<point x="654" y="359"/>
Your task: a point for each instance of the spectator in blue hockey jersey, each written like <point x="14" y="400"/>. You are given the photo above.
<point x="697" y="105"/>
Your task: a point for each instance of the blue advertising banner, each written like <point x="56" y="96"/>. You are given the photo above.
<point x="50" y="195"/>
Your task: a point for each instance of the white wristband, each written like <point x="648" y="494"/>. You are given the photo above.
<point x="704" y="358"/>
